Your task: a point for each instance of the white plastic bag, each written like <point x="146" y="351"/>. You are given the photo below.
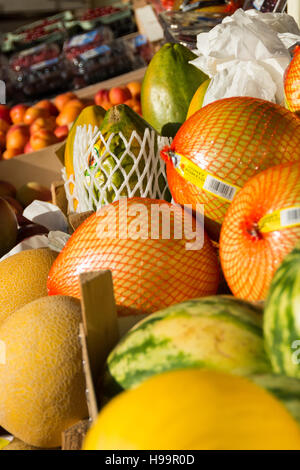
<point x="247" y="53"/>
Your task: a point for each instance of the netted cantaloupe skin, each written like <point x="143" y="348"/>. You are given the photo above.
<point x="23" y="279"/>
<point x="42" y="384"/>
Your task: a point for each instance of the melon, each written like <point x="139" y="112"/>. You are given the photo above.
<point x="194" y="409"/>
<point x="42" y="385"/>
<point x="23" y="279"/>
<point x="152" y="267"/>
<point x="286" y="389"/>
<point x="216" y="332"/>
<point x="281" y="317"/>
<point x="168" y="87"/>
<point x="260" y="228"/>
<point x="220" y="147"/>
<point x="292" y="83"/>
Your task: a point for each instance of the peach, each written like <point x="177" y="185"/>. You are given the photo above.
<point x="118" y="95"/>
<point x="76" y="103"/>
<point x="43" y="123"/>
<point x="135" y="89"/>
<point x="61" y="100"/>
<point x="17" y="137"/>
<point x="48" y="106"/>
<point x="101" y="96"/>
<point x="41" y="139"/>
<point x="10" y="153"/>
<point x="34" y="113"/>
<point x="17" y="113"/>
<point x="135" y="105"/>
<point x="67" y="116"/>
<point x="61" y="132"/>
<point x="28" y="148"/>
<point x="5" y="113"/>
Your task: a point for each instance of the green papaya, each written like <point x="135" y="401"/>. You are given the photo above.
<point x="122" y="119"/>
<point x="168" y="87"/>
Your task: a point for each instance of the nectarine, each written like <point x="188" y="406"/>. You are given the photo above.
<point x="61" y="132"/>
<point x="42" y="139"/>
<point x="4" y="126"/>
<point x="43" y="123"/>
<point x="5" y="113"/>
<point x="101" y="96"/>
<point x="61" y="100"/>
<point x="68" y="115"/>
<point x="48" y="106"/>
<point x="135" y="89"/>
<point x="10" y="153"/>
<point x="17" y="113"/>
<point x="34" y="113"/>
<point x="118" y="95"/>
<point x="17" y="137"/>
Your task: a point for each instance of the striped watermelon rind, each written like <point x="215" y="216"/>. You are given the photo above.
<point x="285" y="389"/>
<point x="282" y="316"/>
<point x="218" y="332"/>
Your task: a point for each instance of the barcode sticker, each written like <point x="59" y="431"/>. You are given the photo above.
<point x="219" y="188"/>
<point x="203" y="179"/>
<point x="290" y="217"/>
<point x="279" y="219"/>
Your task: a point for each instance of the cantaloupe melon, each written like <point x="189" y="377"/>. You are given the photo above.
<point x="23" y="279"/>
<point x="42" y="386"/>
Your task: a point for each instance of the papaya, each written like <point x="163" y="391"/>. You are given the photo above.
<point x="121" y="119"/>
<point x="168" y="87"/>
<point x="93" y="115"/>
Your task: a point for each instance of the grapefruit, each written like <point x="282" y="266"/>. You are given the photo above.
<point x="260" y="228"/>
<point x="151" y="269"/>
<point x="224" y="144"/>
<point x="292" y="83"/>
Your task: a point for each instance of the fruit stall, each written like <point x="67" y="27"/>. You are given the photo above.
<point x="150" y="228"/>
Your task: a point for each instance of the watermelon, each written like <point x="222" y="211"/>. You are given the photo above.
<point x="218" y="332"/>
<point x="286" y="389"/>
<point x="281" y="317"/>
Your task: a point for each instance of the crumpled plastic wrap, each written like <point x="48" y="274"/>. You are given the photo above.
<point x="246" y="55"/>
<point x="49" y="216"/>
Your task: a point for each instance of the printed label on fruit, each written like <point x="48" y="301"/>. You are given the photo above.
<point x="83" y="39"/>
<point x="203" y="179"/>
<point x="95" y="52"/>
<point x="45" y="63"/>
<point x="277" y="220"/>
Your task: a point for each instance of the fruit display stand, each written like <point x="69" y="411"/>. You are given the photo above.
<point x="43" y="165"/>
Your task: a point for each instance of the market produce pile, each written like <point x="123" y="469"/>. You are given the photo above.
<point x="210" y="280"/>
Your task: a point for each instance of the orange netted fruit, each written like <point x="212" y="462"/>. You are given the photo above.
<point x="260" y="229"/>
<point x="292" y="83"/>
<point x="225" y="144"/>
<point x="149" y="271"/>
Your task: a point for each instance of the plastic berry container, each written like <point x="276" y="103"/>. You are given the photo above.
<point x="39" y="71"/>
<point x="82" y="43"/>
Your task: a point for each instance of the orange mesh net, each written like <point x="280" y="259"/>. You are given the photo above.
<point x="250" y="258"/>
<point x="148" y="274"/>
<point x="292" y="83"/>
<point x="232" y="139"/>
